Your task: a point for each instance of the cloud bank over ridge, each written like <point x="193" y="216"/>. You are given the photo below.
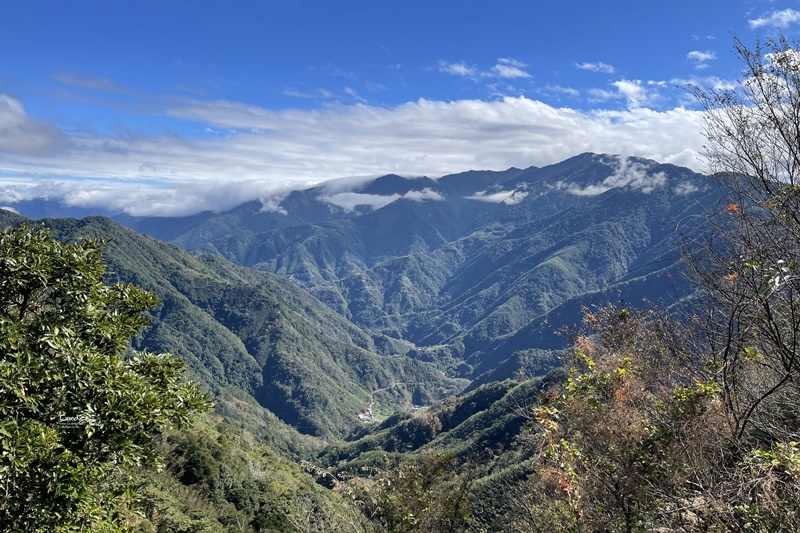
<point x="255" y="152"/>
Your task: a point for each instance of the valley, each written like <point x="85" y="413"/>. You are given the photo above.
<point x="357" y="298"/>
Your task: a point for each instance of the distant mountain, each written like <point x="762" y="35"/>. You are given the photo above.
<point x="475" y="271"/>
<point x="37" y="208"/>
<point x="256" y="337"/>
<point x="335" y="200"/>
<point x="476" y="268"/>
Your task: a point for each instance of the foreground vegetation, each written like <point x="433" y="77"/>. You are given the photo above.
<point x="78" y="414"/>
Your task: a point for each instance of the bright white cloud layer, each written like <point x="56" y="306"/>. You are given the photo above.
<point x="21" y="134"/>
<point x="627" y="174"/>
<point x="425" y="194"/>
<point x="263" y="150"/>
<point x="509" y="68"/>
<point x="776" y="19"/>
<point x="505" y="67"/>
<point x="512" y="197"/>
<point x="701" y="58"/>
<point x="596" y="67"/>
<point x="350" y="200"/>
<point x="457" y="69"/>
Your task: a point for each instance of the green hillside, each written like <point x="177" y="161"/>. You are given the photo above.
<point x="256" y="340"/>
<point x="469" y="283"/>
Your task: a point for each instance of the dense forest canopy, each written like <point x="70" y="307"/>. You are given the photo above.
<point x="79" y="414"/>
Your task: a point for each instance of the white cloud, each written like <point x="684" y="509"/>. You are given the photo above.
<point x="577" y="190"/>
<point x="633" y="91"/>
<point x="425" y="194"/>
<point x="346" y="184"/>
<point x="787" y="59"/>
<point x="272" y="204"/>
<point x="777" y="19"/>
<point x="87" y="81"/>
<point x="636" y="176"/>
<point x="354" y="95"/>
<point x="339" y="193"/>
<point x="628" y="173"/>
<point x="181" y="199"/>
<point x="457" y="69"/>
<point x="509" y="69"/>
<point x="316" y="93"/>
<point x="558" y="89"/>
<point x="712" y="82"/>
<point x="169" y="174"/>
<point x="685" y="188"/>
<point x="720" y="84"/>
<point x="596" y="67"/>
<point x="21" y="187"/>
<point x="505" y="68"/>
<point x="350" y="200"/>
<point x="21" y="134"/>
<point x="272" y="195"/>
<point x="602" y="95"/>
<point x="512" y="197"/>
<point x="700" y="58"/>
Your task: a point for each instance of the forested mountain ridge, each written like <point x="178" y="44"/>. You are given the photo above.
<point x="335" y="200"/>
<point x="477" y="268"/>
<point x="472" y="269"/>
<point x="256" y="337"/>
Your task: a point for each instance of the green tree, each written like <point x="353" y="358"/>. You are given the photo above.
<point x="423" y="494"/>
<point x="79" y="411"/>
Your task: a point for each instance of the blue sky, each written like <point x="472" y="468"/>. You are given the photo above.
<point x="173" y="107"/>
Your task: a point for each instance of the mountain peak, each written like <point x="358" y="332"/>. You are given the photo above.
<point x="394" y="184"/>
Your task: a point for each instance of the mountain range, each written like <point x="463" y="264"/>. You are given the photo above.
<point x="358" y="297"/>
<point x="271" y="354"/>
<point x="472" y="269"/>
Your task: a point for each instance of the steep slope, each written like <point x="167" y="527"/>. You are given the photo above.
<point x="254" y="335"/>
<point x="486" y="434"/>
<point x="472" y="268"/>
<point x="217" y="478"/>
<point x="475" y="291"/>
<point x="540" y="265"/>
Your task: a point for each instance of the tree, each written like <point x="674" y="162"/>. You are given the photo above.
<point x="750" y="272"/>
<point x="634" y="436"/>
<point x="79" y="410"/>
<point x="423" y="494"/>
<point x="694" y="424"/>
